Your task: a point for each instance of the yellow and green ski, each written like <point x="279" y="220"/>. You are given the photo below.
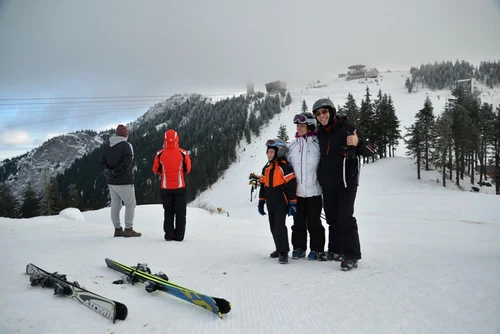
<point x="152" y="282"/>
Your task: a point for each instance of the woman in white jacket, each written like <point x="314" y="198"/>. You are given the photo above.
<point x="304" y="156"/>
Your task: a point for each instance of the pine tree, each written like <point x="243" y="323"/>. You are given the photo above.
<point x="393" y="123"/>
<point x="282" y="133"/>
<point x="304" y="106"/>
<point x="425" y="117"/>
<point x="486" y="137"/>
<point x="467" y="109"/>
<point x="30" y="207"/>
<point x="378" y="100"/>
<point x="460" y="131"/>
<point x="414" y="144"/>
<point x="351" y="110"/>
<point x="8" y="203"/>
<point x="366" y="124"/>
<point x="496" y="148"/>
<point x="253" y="124"/>
<point x="410" y="87"/>
<point x="50" y="201"/>
<point x="248" y="135"/>
<point x="74" y="198"/>
<point x="288" y="99"/>
<point x="443" y="141"/>
<point x="379" y="132"/>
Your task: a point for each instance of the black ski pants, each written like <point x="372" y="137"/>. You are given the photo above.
<point x="277" y="223"/>
<point x="343" y="229"/>
<point x="308" y="218"/>
<point x="174" y="205"/>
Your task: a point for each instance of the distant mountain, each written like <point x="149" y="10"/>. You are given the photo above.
<point x="51" y="158"/>
<point x="161" y="107"/>
<point x="57" y="154"/>
<point x="211" y="132"/>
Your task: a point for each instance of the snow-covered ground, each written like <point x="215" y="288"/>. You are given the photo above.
<point x="431" y="257"/>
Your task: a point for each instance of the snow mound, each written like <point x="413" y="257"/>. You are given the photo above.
<point x="72" y="214"/>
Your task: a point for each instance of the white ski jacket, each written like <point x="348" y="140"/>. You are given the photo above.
<point x="303" y="156"/>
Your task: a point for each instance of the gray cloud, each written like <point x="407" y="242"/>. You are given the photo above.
<point x="57" y="48"/>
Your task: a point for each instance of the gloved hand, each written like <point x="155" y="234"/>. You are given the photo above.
<point x="292" y="208"/>
<point x="109" y="173"/>
<point x="260" y="208"/>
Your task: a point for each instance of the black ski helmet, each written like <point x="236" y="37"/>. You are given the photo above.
<point x="327" y="104"/>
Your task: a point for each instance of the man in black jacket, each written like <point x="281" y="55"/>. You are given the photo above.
<point x="338" y="175"/>
<point x="117" y="163"/>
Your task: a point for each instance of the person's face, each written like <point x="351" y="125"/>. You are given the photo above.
<point x="322" y="115"/>
<point x="270" y="154"/>
<point x="301" y="129"/>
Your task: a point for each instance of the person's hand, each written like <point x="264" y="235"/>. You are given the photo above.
<point x="260" y="208"/>
<point x="292" y="208"/>
<point x="353" y="139"/>
<point x="109" y="173"/>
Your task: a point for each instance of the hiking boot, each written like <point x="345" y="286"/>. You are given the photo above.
<point x="274" y="254"/>
<point x="348" y="264"/>
<point x="129" y="232"/>
<point x="330" y="256"/>
<point x="313" y="256"/>
<point x="118" y="232"/>
<point x="283" y="258"/>
<point x="298" y="253"/>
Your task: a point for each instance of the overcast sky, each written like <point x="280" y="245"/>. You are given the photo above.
<point x="95" y="48"/>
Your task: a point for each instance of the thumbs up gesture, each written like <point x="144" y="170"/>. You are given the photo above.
<point x="353" y="140"/>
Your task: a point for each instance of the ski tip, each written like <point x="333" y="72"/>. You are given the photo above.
<point x="30" y="269"/>
<point x="121" y="311"/>
<point x="223" y="305"/>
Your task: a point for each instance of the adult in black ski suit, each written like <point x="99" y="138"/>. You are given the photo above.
<point x="338" y="175"/>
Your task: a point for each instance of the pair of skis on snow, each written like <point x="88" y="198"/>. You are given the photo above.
<point x="112" y="309"/>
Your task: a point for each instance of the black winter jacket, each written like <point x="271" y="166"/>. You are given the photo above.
<point x="339" y="164"/>
<point x="118" y="157"/>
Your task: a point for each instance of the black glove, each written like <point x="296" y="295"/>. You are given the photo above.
<point x="260" y="208"/>
<point x="109" y="173"/>
<point x="292" y="209"/>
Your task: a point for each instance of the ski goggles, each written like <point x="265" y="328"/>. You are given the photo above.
<point x="299" y="118"/>
<point x="275" y="142"/>
<point x="321" y="111"/>
<point x="302" y="119"/>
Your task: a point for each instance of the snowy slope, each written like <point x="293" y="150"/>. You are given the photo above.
<point x="431" y="258"/>
<point x="391" y="83"/>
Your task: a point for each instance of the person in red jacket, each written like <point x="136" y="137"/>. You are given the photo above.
<point x="172" y="163"/>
